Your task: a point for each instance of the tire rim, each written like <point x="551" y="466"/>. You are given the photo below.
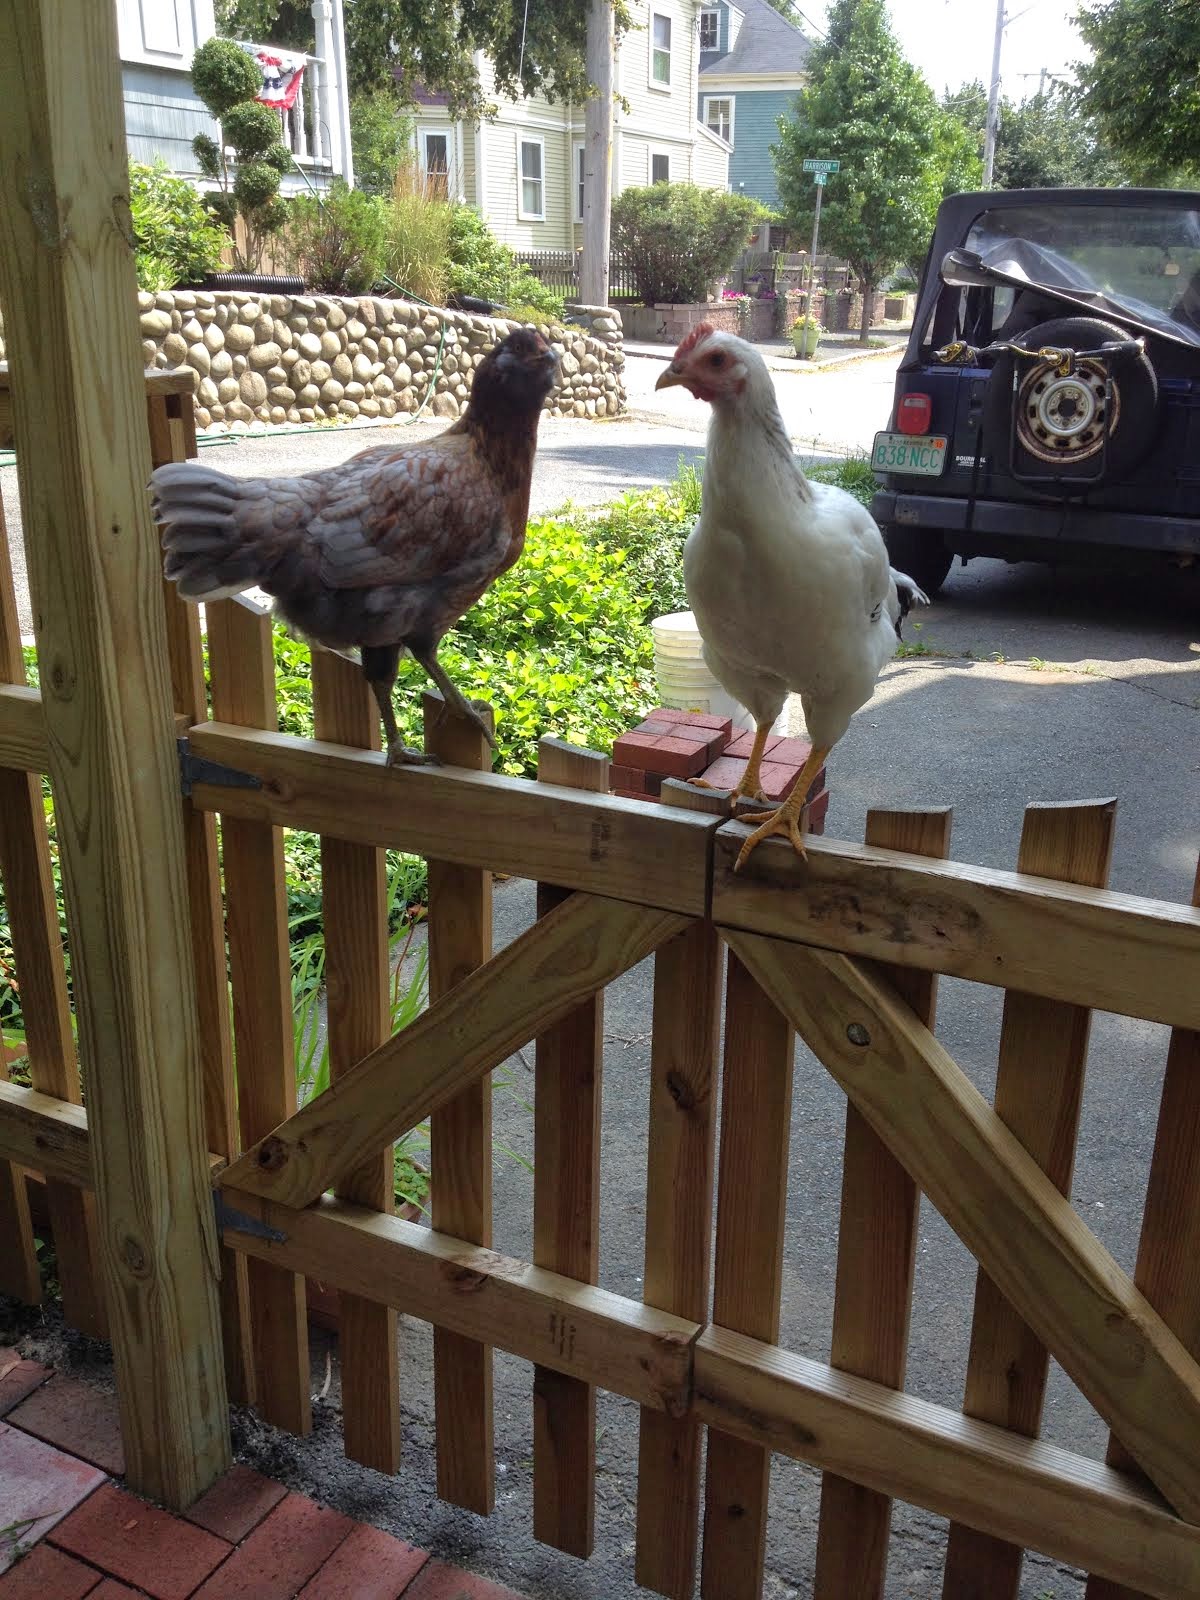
<point x="1064" y="419"/>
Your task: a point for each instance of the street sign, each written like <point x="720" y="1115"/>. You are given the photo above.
<point x="811" y="165"/>
<point x="819" y="179"/>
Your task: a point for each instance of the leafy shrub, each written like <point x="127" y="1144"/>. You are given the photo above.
<point x="481" y="266"/>
<point x="337" y="243"/>
<point x="381" y="140"/>
<point x="854" y="475"/>
<point x="418" y="236"/>
<point x="679" y="239"/>
<point x="227" y="81"/>
<point x="174" y="239"/>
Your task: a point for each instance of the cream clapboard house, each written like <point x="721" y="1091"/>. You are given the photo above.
<point x="524" y="169"/>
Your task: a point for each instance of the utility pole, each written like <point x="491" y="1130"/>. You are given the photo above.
<point x="597" y="156"/>
<point x="993" y="108"/>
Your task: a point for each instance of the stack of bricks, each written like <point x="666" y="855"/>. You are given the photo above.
<point x="693" y="744"/>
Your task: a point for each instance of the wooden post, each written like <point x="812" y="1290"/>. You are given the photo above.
<point x="460" y="1143"/>
<point x="597" y="155"/>
<point x="566" y="1211"/>
<point x="67" y="285"/>
<point x="877" y="1246"/>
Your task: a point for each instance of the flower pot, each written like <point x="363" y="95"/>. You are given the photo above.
<point x="805" y="341"/>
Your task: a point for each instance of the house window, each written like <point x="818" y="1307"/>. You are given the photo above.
<point x="718" y="116"/>
<point x="660" y="168"/>
<point x="531" y="203"/>
<point x="710" y="30"/>
<point x="579" y="196"/>
<point x="660" y="51"/>
<point x="435" y="159"/>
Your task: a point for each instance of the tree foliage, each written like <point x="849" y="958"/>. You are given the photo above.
<point x="175" y="240"/>
<point x="381" y="139"/>
<point x="431" y="42"/>
<point x="1045" y="142"/>
<point x="227" y="81"/>
<point x="1143" y="83"/>
<point x="900" y="153"/>
<point x="679" y="239"/>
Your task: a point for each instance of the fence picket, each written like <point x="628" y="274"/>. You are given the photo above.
<point x="242" y="668"/>
<point x="460" y="1138"/>
<point x="38" y="954"/>
<point x="679" y="1186"/>
<point x="1039" y="1093"/>
<point x="354" y="921"/>
<point x="756" y="1105"/>
<point x="1168" y="1262"/>
<point x="569" y="1060"/>
<point x="877" y="1239"/>
<point x="171" y="423"/>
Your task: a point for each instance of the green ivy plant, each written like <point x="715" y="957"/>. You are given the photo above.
<point x="175" y="240"/>
<point x="228" y="81"/>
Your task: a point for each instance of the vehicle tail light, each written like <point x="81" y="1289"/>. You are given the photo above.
<point x="913" y="413"/>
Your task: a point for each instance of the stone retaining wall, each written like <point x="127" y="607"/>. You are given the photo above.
<point x="261" y="359"/>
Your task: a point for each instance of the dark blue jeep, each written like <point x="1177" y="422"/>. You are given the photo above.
<point x="1048" y="404"/>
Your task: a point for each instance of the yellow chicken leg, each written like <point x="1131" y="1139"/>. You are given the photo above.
<point x="787" y="818"/>
<point x="750" y="783"/>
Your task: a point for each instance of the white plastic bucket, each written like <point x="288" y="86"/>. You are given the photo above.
<point x="684" y="680"/>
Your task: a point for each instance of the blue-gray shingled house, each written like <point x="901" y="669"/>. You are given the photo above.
<point x="752" y="66"/>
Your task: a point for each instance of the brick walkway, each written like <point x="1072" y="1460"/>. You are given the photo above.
<point x="68" y="1530"/>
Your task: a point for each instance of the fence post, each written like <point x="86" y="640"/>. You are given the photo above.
<point x="67" y="283"/>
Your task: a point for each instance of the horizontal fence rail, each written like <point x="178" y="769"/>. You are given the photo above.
<point x="842" y="950"/>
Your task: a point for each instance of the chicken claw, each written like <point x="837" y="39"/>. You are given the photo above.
<point x="740" y="793"/>
<point x="784" y="820"/>
<point x="403" y="755"/>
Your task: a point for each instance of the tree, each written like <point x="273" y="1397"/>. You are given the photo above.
<point x="678" y="238"/>
<point x="381" y="139"/>
<point x="1143" y="83"/>
<point x="398" y="44"/>
<point x="1046" y="142"/>
<point x="227" y="81"/>
<point x="872" y="110"/>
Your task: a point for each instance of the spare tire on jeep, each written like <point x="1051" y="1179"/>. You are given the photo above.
<point x="1063" y="430"/>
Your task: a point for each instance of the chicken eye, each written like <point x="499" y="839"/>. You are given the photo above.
<point x="717" y="359"/>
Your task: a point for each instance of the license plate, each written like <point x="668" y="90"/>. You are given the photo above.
<point x="918" y="454"/>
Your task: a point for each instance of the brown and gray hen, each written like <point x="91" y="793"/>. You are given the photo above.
<point x="389" y="549"/>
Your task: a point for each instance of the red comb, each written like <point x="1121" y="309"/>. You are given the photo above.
<point x="692" y="339"/>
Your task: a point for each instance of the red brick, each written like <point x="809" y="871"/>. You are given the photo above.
<point x="699" y="719"/>
<point x="236" y="1503"/>
<point x="679" y="758"/>
<point x="627" y="778"/>
<point x="744" y="743"/>
<point x="658" y="722"/>
<point x="636" y="750"/>
<point x="724" y="773"/>
<point x="282" y="1553"/>
<point x="39" y="1486"/>
<point x="77" y="1418"/>
<point x="46" y="1574"/>
<point x="794" y="750"/>
<point x="18" y="1378"/>
<point x="368" y="1565"/>
<point x="438" y="1581"/>
<point x="110" y="1589"/>
<point x="778" y="778"/>
<point x="136" y="1542"/>
<point x="816" y="812"/>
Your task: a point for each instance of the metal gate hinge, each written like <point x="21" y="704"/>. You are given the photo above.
<point x="195" y="769"/>
<point x="229" y="1218"/>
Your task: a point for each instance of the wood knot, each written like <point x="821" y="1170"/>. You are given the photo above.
<point x="680" y="1091"/>
<point x="858" y="1035"/>
<point x="272" y="1154"/>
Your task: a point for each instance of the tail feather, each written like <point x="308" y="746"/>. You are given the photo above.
<point x="207" y="555"/>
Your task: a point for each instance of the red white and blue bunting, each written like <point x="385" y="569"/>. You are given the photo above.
<point x="282" y="74"/>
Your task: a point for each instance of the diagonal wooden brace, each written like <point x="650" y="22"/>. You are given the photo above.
<point x="578" y="948"/>
<point x="1023" y="1232"/>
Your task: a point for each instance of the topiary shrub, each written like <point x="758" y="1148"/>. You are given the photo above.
<point x="678" y="239"/>
<point x="481" y="266"/>
<point x="337" y="243"/>
<point x="175" y="240"/>
<point x="228" y="81"/>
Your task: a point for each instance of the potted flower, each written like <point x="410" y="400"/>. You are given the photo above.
<point x="806" y="336"/>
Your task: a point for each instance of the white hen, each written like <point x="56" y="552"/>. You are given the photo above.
<point x="788" y="580"/>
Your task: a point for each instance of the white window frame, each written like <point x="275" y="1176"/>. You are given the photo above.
<point x="577" y="160"/>
<point x="716" y="99"/>
<point x="651" y="152"/>
<point x="438" y="130"/>
<point x="654" y="83"/>
<point x="715" y="14"/>
<point x="522" y="140"/>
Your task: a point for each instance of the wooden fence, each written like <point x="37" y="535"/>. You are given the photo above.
<point x="559" y="269"/>
<point x="187" y="1217"/>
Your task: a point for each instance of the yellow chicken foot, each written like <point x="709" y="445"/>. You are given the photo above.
<point x="749" y="786"/>
<point x="787" y="818"/>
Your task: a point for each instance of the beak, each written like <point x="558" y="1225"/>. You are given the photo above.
<point x="669" y="377"/>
